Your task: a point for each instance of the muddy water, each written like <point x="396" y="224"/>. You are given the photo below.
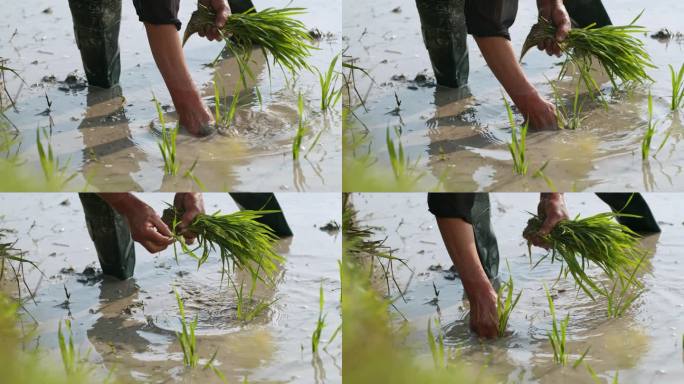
<point x="129" y="326"/>
<point x="462" y="141"/>
<point x="107" y="137"/>
<point x="644" y="346"/>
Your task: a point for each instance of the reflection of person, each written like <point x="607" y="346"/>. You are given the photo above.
<point x="96" y="28"/>
<point x="445" y="24"/>
<point x="116" y="220"/>
<point x="464" y="222"/>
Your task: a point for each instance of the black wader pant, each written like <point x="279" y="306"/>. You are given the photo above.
<point x="114" y="244"/>
<point x="96" y="29"/>
<point x="445" y="25"/>
<point x="474" y="208"/>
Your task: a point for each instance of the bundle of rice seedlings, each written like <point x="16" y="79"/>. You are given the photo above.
<point x="616" y="47"/>
<point x="273" y="30"/>
<point x="597" y="239"/>
<point x="238" y="237"/>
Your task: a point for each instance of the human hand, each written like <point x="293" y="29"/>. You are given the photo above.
<point x="484" y="320"/>
<point x="555" y="12"/>
<point x="222" y="10"/>
<point x="191" y="204"/>
<point x="147" y="228"/>
<point x="540" y="113"/>
<point x="552" y="210"/>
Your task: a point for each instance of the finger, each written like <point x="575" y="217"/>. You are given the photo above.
<point x="221" y="17"/>
<point x="152" y="247"/>
<point x="563" y="28"/>
<point x="540" y="46"/>
<point x="162" y="230"/>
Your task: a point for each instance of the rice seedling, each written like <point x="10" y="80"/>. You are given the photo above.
<point x="405" y="172"/>
<point x="167" y="144"/>
<point x="320" y="323"/>
<point x="238" y="237"/>
<point x="677" y="87"/>
<point x="74" y="363"/>
<point x="517" y="144"/>
<point x="617" y="48"/>
<point x="650" y="130"/>
<point x="274" y="31"/>
<point x="217" y="101"/>
<point x="568" y="119"/>
<point x="56" y="173"/>
<point x="301" y="128"/>
<point x="189" y="173"/>
<point x="505" y="302"/>
<point x="540" y="173"/>
<point x="436" y="344"/>
<point x="186" y="337"/>
<point x="247" y="308"/>
<point x="598" y="240"/>
<point x="228" y="119"/>
<point x="630" y="290"/>
<point x="329" y="95"/>
<point x="558" y="334"/>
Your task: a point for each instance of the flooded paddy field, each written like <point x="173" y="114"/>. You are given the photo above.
<point x="642" y="346"/>
<point x="128" y="326"/>
<point x="457" y="141"/>
<point x="108" y="138"/>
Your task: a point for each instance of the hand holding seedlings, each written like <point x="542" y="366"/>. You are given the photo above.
<point x="222" y="10"/>
<point x="555" y="11"/>
<point x="191" y="204"/>
<point x="146" y="227"/>
<point x="552" y="209"/>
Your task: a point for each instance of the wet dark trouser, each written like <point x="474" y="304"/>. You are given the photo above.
<point x="444" y="28"/>
<point x="443" y="25"/>
<point x="475" y="209"/>
<point x="96" y="29"/>
<point x="114" y="244"/>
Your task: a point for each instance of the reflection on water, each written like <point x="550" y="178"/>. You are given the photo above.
<point x="643" y="346"/>
<point x="455" y="133"/>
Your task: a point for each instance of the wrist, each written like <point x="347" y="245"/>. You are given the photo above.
<point x="526" y="98"/>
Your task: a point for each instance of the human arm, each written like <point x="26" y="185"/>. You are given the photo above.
<point x="460" y="243"/>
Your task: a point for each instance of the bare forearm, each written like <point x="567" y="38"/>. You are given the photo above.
<point x="500" y="57"/>
<point x="460" y="242"/>
<point x="123" y="203"/>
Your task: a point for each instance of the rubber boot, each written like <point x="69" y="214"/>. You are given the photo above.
<point x="645" y="224"/>
<point x="240" y="6"/>
<point x="586" y="12"/>
<point x="264" y="201"/>
<point x="111" y="235"/>
<point x="445" y="37"/>
<point x="475" y="209"/>
<point x="96" y="29"/>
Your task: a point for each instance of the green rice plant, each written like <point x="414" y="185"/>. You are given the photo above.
<point x="558" y="334"/>
<point x="597" y="239"/>
<point x="517" y="144"/>
<point x="228" y="119"/>
<point x="540" y="173"/>
<point x="617" y="48"/>
<point x="405" y="172"/>
<point x="247" y="308"/>
<point x="167" y="144"/>
<point x="189" y="173"/>
<point x="186" y="337"/>
<point x="56" y="173"/>
<point x="505" y="302"/>
<point x="329" y="95"/>
<point x="568" y="119"/>
<point x="301" y="128"/>
<point x="677" y="87"/>
<point x="436" y="344"/>
<point x="239" y="238"/>
<point x="620" y="300"/>
<point x="217" y="101"/>
<point x="272" y="30"/>
<point x="320" y="323"/>
<point x="74" y="363"/>
<point x="650" y="130"/>
<point x="9" y="254"/>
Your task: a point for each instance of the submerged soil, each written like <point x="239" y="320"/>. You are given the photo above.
<point x="644" y="346"/>
<point x="106" y="135"/>
<point x="128" y="326"/>
<point x="460" y="140"/>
